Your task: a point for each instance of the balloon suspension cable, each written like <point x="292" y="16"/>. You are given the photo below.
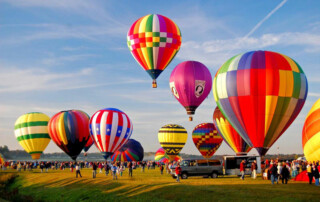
<point x="154" y="83"/>
<point x="190" y="118"/>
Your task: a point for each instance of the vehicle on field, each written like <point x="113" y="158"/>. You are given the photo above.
<point x="232" y="164"/>
<point x="202" y="167"/>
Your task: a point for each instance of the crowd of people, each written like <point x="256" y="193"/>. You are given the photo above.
<point x="273" y="170"/>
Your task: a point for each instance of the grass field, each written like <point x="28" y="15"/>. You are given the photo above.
<point x="147" y="186"/>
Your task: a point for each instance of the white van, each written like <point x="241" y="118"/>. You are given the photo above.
<point x="232" y="164"/>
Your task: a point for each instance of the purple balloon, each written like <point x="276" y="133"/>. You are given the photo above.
<point x="190" y="83"/>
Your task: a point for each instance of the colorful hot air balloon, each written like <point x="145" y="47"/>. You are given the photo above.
<point x="260" y="93"/>
<point x="229" y="134"/>
<point x="311" y="134"/>
<point x="70" y="131"/>
<point x="206" y="138"/>
<point x="172" y="139"/>
<point x="1" y="159"/>
<point x="110" y="129"/>
<point x="32" y="133"/>
<point x="154" y="40"/>
<point x="88" y="145"/>
<point x="190" y="83"/>
<point x="131" y="151"/>
<point x="161" y="156"/>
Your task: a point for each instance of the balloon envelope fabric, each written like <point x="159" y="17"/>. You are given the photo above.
<point x="70" y="131"/>
<point x="172" y="138"/>
<point x="161" y="156"/>
<point x="131" y="151"/>
<point x="88" y="145"/>
<point x="229" y="134"/>
<point x="190" y="83"/>
<point x="31" y="130"/>
<point x="154" y="40"/>
<point x="206" y="138"/>
<point x="260" y="93"/>
<point x="311" y="133"/>
<point x="110" y="129"/>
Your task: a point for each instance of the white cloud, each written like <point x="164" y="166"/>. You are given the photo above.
<point x="213" y="52"/>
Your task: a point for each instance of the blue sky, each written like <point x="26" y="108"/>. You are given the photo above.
<point x="57" y="55"/>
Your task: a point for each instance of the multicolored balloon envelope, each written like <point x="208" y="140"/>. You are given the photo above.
<point x="31" y="130"/>
<point x="131" y="151"/>
<point x="229" y="134"/>
<point x="206" y="138"/>
<point x="70" y="131"/>
<point x="172" y="138"/>
<point x="311" y="133"/>
<point x="88" y="145"/>
<point x="154" y="40"/>
<point x="190" y="83"/>
<point x="161" y="156"/>
<point x="2" y="160"/>
<point x="110" y="129"/>
<point x="260" y="93"/>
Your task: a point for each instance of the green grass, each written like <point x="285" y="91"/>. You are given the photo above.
<point x="151" y="186"/>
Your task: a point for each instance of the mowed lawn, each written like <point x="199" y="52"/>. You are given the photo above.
<point x="151" y="186"/>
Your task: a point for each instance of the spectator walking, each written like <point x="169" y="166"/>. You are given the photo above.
<point x="178" y="172"/>
<point x="94" y="170"/>
<point x="114" y="171"/>
<point x="78" y="171"/>
<point x="274" y="174"/>
<point x="285" y="174"/>
<point x="309" y="171"/>
<point x="130" y="168"/>
<point x="161" y="169"/>
<point x="254" y="169"/>
<point x="242" y="167"/>
<point x="315" y="171"/>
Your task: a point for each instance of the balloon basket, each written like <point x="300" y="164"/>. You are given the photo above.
<point x="190" y="118"/>
<point x="154" y="84"/>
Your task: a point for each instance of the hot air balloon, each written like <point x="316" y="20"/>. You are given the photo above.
<point x="131" y="151"/>
<point x="154" y="40"/>
<point x="70" y="131"/>
<point x="206" y="138"/>
<point x="88" y="145"/>
<point x="110" y="129"/>
<point x="311" y="133"/>
<point x="1" y="159"/>
<point x="190" y="83"/>
<point x="172" y="139"/>
<point x="32" y="133"/>
<point x="229" y="134"/>
<point x="161" y="156"/>
<point x="260" y="93"/>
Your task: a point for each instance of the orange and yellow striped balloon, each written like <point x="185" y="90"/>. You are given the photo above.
<point x="311" y="134"/>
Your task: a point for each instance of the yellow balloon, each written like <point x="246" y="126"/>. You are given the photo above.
<point x="31" y="130"/>
<point x="172" y="139"/>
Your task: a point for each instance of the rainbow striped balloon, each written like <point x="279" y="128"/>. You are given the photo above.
<point x="154" y="40"/>
<point x="32" y="133"/>
<point x="229" y="134"/>
<point x="206" y="138"/>
<point x="110" y="129"/>
<point x="70" y="131"/>
<point x="260" y="93"/>
<point x="131" y="151"/>
<point x="161" y="156"/>
<point x="311" y="133"/>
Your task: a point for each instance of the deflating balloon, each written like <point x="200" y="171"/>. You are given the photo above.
<point x="190" y="83"/>
<point x="31" y="130"/>
<point x="161" y="156"/>
<point x="172" y="139"/>
<point x="260" y="93"/>
<point x="110" y="129"/>
<point x="70" y="131"/>
<point x="206" y="138"/>
<point x="131" y="151"/>
<point x="154" y="40"/>
<point x="311" y="134"/>
<point x="229" y="134"/>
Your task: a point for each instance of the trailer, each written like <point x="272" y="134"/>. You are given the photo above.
<point x="232" y="164"/>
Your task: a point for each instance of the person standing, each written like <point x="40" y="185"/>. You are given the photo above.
<point x="78" y="171"/>
<point x="279" y="168"/>
<point x="315" y="172"/>
<point x="242" y="167"/>
<point x="94" y="170"/>
<point x="254" y="169"/>
<point x="161" y="169"/>
<point x="130" y="169"/>
<point x="178" y="172"/>
<point x="114" y="171"/>
<point x="285" y="174"/>
<point x="309" y="171"/>
<point x="106" y="168"/>
<point x="274" y="173"/>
